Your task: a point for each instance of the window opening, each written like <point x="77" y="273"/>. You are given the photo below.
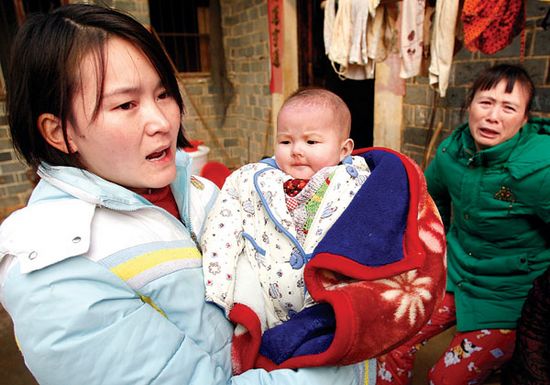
<point x="183" y="27"/>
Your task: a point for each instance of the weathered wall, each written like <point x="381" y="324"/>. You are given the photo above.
<point x="419" y="101"/>
<point x="244" y="136"/>
<point x="14" y="183"/>
<point x="241" y="134"/>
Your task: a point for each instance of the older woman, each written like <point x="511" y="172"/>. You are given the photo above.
<point x="493" y="175"/>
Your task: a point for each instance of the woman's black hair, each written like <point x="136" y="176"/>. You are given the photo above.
<point x="490" y="77"/>
<point x="43" y="71"/>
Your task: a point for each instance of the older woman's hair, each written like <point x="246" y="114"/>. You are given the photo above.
<point x="512" y="74"/>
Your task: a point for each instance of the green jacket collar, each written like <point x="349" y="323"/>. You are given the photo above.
<point x="523" y="154"/>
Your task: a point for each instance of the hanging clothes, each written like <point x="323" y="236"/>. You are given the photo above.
<point x="376" y="49"/>
<point x="489" y="26"/>
<point x="373" y="5"/>
<point x="346" y="37"/>
<point x="359" y="21"/>
<point x="337" y="33"/>
<point x="412" y="25"/>
<point x="442" y="44"/>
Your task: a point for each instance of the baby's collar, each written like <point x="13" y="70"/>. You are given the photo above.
<point x="347" y="160"/>
<point x="271" y="161"/>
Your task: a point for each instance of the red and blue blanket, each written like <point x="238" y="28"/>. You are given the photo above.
<point x="376" y="277"/>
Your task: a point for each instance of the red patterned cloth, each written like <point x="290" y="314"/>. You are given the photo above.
<point x="489" y="26"/>
<point x="292" y="187"/>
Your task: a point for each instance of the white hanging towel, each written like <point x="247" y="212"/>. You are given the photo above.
<point x="345" y="37"/>
<point x="359" y="20"/>
<point x="328" y="24"/>
<point x="376" y="49"/>
<point x="442" y="44"/>
<point x="373" y="5"/>
<point x="337" y="33"/>
<point x="412" y="22"/>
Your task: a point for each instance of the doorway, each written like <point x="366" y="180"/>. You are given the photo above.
<point x="316" y="70"/>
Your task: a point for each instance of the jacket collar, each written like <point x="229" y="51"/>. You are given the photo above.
<point x="60" y="181"/>
<point x="533" y="148"/>
<point x="488" y="157"/>
<point x="523" y="154"/>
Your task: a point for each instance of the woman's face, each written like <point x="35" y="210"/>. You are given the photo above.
<point x="132" y="141"/>
<point x="496" y="116"/>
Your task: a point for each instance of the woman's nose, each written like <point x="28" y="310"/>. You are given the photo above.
<point x="155" y="119"/>
<point x="494" y="113"/>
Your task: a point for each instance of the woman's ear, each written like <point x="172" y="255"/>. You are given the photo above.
<point x="347" y="148"/>
<point x="51" y="129"/>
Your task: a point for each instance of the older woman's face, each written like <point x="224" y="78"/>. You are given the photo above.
<point x="496" y="116"/>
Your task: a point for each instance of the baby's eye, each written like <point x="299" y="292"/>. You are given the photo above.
<point x="284" y="142"/>
<point x="312" y="142"/>
<point x="510" y="108"/>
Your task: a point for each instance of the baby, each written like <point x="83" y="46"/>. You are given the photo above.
<point x="360" y="231"/>
<point x="270" y="215"/>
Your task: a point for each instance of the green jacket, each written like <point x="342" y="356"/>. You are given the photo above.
<point x="498" y="238"/>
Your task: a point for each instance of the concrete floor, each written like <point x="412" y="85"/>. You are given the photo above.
<point x="12" y="368"/>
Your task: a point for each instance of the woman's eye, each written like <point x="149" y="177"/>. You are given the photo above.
<point x="126" y="106"/>
<point x="164" y="95"/>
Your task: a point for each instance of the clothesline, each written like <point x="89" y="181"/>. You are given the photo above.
<point x="359" y="33"/>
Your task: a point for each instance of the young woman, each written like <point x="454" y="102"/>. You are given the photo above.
<point x="101" y="273"/>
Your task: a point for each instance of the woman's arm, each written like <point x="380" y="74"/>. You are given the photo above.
<point x="89" y="328"/>
<point x="343" y="375"/>
<point x="438" y="189"/>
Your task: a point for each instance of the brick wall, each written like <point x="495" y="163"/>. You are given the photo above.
<point x="245" y="31"/>
<point x="420" y="103"/>
<point x="243" y="133"/>
<point x="137" y="8"/>
<point x="240" y="135"/>
<point x="15" y="186"/>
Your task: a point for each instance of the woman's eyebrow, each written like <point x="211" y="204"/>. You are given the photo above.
<point x="120" y="91"/>
<point x="129" y="90"/>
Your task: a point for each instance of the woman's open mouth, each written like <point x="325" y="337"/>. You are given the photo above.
<point x="487" y="132"/>
<point x="157" y="155"/>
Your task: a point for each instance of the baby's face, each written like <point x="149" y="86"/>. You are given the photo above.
<point x="308" y="139"/>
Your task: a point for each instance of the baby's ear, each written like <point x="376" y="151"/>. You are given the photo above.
<point x="347" y="148"/>
<point x="51" y="129"/>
